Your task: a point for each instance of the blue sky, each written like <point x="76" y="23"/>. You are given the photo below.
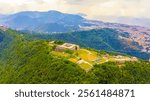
<point x="93" y="8"/>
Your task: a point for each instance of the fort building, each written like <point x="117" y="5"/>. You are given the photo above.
<point x="67" y="46"/>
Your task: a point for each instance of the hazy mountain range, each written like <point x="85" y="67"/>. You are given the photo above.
<point x="51" y="21"/>
<point x="55" y="21"/>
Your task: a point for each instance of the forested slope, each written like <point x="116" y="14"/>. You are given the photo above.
<point x="30" y="61"/>
<point x="100" y="39"/>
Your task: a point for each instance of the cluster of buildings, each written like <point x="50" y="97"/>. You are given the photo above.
<point x="69" y="46"/>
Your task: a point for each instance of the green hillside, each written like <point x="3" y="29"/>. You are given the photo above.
<point x="25" y="60"/>
<point x="30" y="62"/>
<point x="99" y="39"/>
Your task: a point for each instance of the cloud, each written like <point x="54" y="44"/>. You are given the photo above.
<point x="93" y="8"/>
<point x="12" y="6"/>
<point x="85" y="2"/>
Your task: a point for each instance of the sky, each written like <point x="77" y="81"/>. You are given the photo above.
<point x="92" y="8"/>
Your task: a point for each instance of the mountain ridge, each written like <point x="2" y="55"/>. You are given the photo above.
<point x="57" y="22"/>
<point x="31" y="20"/>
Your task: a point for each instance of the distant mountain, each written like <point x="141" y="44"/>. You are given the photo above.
<point x="55" y="21"/>
<point x="51" y="21"/>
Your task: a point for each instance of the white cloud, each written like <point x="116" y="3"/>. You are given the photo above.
<point x="11" y="6"/>
<point x="93" y="8"/>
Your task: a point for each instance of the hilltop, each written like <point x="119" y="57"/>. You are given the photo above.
<point x="31" y="61"/>
<point x="87" y="58"/>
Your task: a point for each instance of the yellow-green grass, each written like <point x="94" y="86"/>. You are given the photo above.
<point x="84" y="54"/>
<point x="74" y="60"/>
<point x="87" y="55"/>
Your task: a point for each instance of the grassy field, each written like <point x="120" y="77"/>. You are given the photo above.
<point x="82" y="54"/>
<point x="87" y="58"/>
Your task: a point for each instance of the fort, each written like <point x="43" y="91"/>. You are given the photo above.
<point x="67" y="46"/>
